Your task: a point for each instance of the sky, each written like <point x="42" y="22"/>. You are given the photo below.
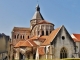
<point x="18" y="13"/>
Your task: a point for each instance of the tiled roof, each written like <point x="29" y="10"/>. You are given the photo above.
<point x="43" y="37"/>
<point x="34" y="37"/>
<point x="75" y="40"/>
<point x="51" y="36"/>
<point x="33" y="43"/>
<point x="41" y="50"/>
<point x="76" y="37"/>
<point x="28" y="44"/>
<point x="38" y="38"/>
<point x="19" y="43"/>
<point x="21" y="28"/>
<point x="44" y="22"/>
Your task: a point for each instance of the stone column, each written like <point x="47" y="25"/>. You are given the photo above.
<point x="45" y="30"/>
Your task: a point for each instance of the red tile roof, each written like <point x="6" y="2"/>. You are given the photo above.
<point x="43" y="37"/>
<point x="77" y="37"/>
<point x="18" y="44"/>
<point x="38" y="38"/>
<point x="41" y="50"/>
<point x="51" y="36"/>
<point x="28" y="43"/>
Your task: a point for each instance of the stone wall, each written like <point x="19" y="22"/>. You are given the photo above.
<point x="67" y="43"/>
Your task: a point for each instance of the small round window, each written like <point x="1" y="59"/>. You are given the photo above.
<point x="63" y="37"/>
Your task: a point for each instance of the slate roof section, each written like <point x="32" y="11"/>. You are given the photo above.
<point x="37" y="14"/>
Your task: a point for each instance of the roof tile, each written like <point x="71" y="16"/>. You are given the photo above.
<point x="51" y="36"/>
<point x="41" y="50"/>
<point x="77" y="37"/>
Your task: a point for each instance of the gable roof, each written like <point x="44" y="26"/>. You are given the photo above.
<point x="76" y="37"/>
<point x="51" y="36"/>
<point x="26" y="43"/>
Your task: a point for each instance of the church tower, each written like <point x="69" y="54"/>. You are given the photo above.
<point x="37" y="17"/>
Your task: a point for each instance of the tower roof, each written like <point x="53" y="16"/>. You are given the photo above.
<point x="37" y="14"/>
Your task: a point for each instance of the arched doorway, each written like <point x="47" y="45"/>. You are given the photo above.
<point x="63" y="53"/>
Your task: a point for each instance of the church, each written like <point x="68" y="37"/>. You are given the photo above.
<point x="42" y="41"/>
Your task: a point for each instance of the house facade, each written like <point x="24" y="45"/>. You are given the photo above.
<point x="42" y="41"/>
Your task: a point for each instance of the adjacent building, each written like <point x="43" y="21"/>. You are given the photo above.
<point x="4" y="46"/>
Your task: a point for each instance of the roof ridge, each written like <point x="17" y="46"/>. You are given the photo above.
<point x="30" y="43"/>
<point x="55" y="32"/>
<point x="58" y="31"/>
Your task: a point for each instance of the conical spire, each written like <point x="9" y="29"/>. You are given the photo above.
<point x="37" y="7"/>
<point x="37" y="14"/>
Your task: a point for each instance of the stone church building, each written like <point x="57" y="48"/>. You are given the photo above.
<point x="42" y="41"/>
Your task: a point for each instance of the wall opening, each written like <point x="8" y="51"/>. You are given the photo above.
<point x="63" y="53"/>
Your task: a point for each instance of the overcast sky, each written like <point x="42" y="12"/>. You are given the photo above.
<point x="19" y="13"/>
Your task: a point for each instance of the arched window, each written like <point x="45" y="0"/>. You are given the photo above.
<point x="21" y="37"/>
<point x="42" y="32"/>
<point x="46" y="32"/>
<point x="28" y="37"/>
<point x="17" y="36"/>
<point x="14" y="36"/>
<point x="63" y="53"/>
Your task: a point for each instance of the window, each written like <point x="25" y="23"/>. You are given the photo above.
<point x="17" y="36"/>
<point x="46" y="32"/>
<point x="21" y="37"/>
<point x="28" y="37"/>
<point x="42" y="32"/>
<point x="63" y="53"/>
<point x="14" y="36"/>
<point x="63" y="37"/>
<point x="38" y="32"/>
